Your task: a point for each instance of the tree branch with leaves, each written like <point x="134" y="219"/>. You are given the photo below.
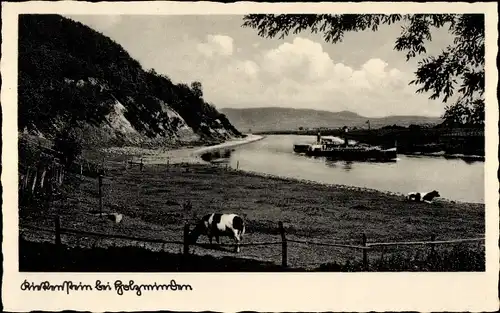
<point x="459" y="66"/>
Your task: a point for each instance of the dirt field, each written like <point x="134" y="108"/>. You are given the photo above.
<point x="151" y="204"/>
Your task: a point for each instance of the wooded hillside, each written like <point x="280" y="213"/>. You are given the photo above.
<point x="70" y="74"/>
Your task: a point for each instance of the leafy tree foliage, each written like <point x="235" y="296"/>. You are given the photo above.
<point x="197" y="89"/>
<point x="460" y="65"/>
<point x="70" y="143"/>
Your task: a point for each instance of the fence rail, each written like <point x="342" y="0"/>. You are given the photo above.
<point x="328" y="244"/>
<point x="100" y="234"/>
<point x="132" y="238"/>
<point x="435" y="242"/>
<point x="365" y="248"/>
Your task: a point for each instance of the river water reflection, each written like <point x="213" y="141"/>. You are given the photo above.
<point x="455" y="179"/>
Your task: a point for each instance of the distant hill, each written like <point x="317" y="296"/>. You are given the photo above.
<point x="272" y="119"/>
<point x="73" y="76"/>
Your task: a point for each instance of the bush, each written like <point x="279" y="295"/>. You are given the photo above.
<point x="216" y="154"/>
<point x="70" y="143"/>
<point x="456" y="259"/>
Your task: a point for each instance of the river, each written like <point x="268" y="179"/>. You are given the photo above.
<point x="455" y="179"/>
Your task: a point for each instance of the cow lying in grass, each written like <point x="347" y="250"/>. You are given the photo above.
<point x="219" y="225"/>
<point x="426" y="197"/>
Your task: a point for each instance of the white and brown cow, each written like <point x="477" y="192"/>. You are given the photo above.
<point x="219" y="225"/>
<point x="426" y="197"/>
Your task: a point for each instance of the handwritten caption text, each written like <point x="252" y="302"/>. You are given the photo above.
<point x="118" y="286"/>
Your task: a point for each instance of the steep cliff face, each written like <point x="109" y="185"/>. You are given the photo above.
<point x="73" y="76"/>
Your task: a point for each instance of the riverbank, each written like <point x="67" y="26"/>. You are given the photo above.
<point x="229" y="144"/>
<point x="152" y="201"/>
<point x="445" y="155"/>
<point x="189" y="154"/>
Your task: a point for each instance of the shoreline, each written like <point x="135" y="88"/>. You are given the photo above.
<point x="230" y="144"/>
<point x="190" y="154"/>
<point x="445" y="155"/>
<point x="338" y="186"/>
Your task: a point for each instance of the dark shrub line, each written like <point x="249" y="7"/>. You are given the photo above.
<point x="36" y="257"/>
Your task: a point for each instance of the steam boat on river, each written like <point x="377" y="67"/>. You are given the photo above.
<point x="344" y="149"/>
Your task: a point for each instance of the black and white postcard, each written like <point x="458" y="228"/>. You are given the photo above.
<point x="250" y="156"/>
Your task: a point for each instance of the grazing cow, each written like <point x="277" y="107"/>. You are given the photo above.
<point x="426" y="197"/>
<point x="219" y="225"/>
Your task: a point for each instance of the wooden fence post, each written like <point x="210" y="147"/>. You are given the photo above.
<point x="58" y="230"/>
<point x="26" y="178"/>
<point x="365" y="254"/>
<point x="100" y="192"/>
<point x="50" y="187"/>
<point x="433" y="246"/>
<point x="62" y="176"/>
<point x="34" y="181"/>
<point x="237" y="165"/>
<point x="283" y="245"/>
<point x="186" y="239"/>
<point x="42" y="178"/>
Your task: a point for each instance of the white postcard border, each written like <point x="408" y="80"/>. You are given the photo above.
<point x="251" y="291"/>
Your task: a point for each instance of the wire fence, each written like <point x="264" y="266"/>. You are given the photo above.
<point x="364" y="248"/>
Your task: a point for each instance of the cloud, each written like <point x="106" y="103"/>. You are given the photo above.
<point x="375" y="67"/>
<point x="366" y="77"/>
<point x="302" y="74"/>
<point x="302" y="59"/>
<point x="216" y="45"/>
<point x="306" y="63"/>
<point x="250" y="68"/>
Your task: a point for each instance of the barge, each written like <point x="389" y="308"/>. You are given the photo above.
<point x="337" y="148"/>
<point x="301" y="148"/>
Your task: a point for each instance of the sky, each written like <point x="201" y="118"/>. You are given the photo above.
<point x="239" y="69"/>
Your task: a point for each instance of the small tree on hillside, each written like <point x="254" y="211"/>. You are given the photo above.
<point x="197" y="89"/>
<point x="70" y="143"/>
